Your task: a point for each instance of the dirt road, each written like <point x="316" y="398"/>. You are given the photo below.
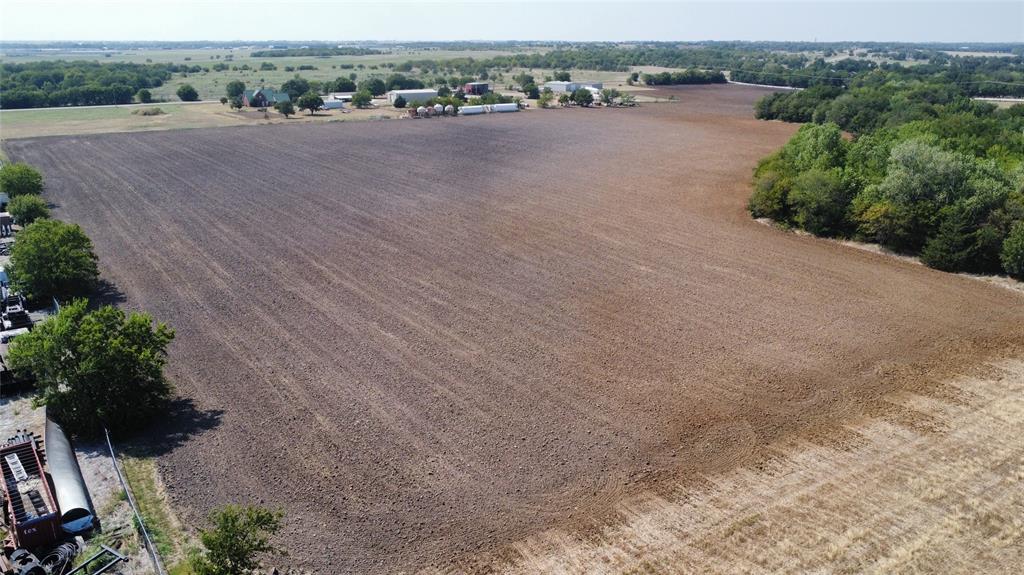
<point x="424" y="339"/>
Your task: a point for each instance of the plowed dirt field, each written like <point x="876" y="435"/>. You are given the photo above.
<point x="427" y="339"/>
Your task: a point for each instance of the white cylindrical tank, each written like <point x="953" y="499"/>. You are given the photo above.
<point x="438" y="109"/>
<point x="471" y="110"/>
<point x="512" y="107"/>
<point x="450" y="110"/>
<point x="421" y="111"/>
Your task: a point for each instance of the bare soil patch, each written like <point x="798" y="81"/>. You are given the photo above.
<point x="431" y="338"/>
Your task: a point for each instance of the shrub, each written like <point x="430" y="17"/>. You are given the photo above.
<point x="97" y="369"/>
<point x="400" y="102"/>
<point x="583" y="97"/>
<point x="187" y="93"/>
<point x="234" y="544"/>
<point x="20" y="179"/>
<point x="1012" y="256"/>
<point x="361" y="99"/>
<point x="235" y="89"/>
<point x="27" y="209"/>
<point x="148" y="112"/>
<point x="52" y="259"/>
<point x="144" y="96"/>
<point x="285" y="108"/>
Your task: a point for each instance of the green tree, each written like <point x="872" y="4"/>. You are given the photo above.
<point x="400" y="102"/>
<point x="237" y="103"/>
<point x="235" y="542"/>
<point x="144" y="96"/>
<point x="285" y="108"/>
<point x="563" y="77"/>
<point x="310" y="101"/>
<point x="223" y="99"/>
<point x="235" y="89"/>
<point x="374" y="86"/>
<point x="532" y="91"/>
<point x="187" y="93"/>
<point x="20" y="179"/>
<point x="53" y="259"/>
<point x="97" y="369"/>
<point x="818" y="200"/>
<point x="1012" y="256"/>
<point x="627" y="99"/>
<point x="343" y="84"/>
<point x="27" y="209"/>
<point x="565" y="98"/>
<point x="361" y="99"/>
<point x="545" y="99"/>
<point x="295" y="87"/>
<point x="608" y="96"/>
<point x="583" y="97"/>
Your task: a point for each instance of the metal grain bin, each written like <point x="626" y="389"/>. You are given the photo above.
<point x="77" y="512"/>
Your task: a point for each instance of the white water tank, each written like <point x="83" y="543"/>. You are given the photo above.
<point x="471" y="110"/>
<point x="512" y="107"/>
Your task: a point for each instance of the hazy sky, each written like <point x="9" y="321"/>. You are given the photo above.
<point x="917" y="21"/>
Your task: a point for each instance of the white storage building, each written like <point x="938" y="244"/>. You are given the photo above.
<point x="557" y="87"/>
<point x="418" y="95"/>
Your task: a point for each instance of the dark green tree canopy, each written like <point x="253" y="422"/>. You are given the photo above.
<point x="285" y="108"/>
<point x="362" y="99"/>
<point x="235" y="88"/>
<point x="583" y="97"/>
<point x="27" y="209"/>
<point x="310" y="101"/>
<point x="53" y="259"/>
<point x="295" y="87"/>
<point x="374" y="86"/>
<point x="97" y="369"/>
<point x="19" y="179"/>
<point x="187" y="93"/>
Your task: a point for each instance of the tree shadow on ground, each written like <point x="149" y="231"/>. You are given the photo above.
<point x="107" y="294"/>
<point x="182" y="421"/>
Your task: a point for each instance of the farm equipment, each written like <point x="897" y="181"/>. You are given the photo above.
<point x="46" y="506"/>
<point x="15" y="316"/>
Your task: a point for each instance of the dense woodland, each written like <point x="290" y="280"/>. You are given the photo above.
<point x="80" y="83"/>
<point x="927" y="171"/>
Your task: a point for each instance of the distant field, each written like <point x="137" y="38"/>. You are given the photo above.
<point x="211" y="85"/>
<point x="29" y="123"/>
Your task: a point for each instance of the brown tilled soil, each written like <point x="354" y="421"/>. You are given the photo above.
<point x="425" y="339"/>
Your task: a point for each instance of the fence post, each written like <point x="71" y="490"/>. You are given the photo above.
<point x="147" y="542"/>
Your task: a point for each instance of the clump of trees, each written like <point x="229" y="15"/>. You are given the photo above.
<point x="53" y="259"/>
<point x="362" y="99"/>
<point x="186" y="93"/>
<point x="19" y="179"/>
<point x="688" y="76"/>
<point x="235" y="89"/>
<point x="235" y="542"/>
<point x="929" y="173"/>
<point x="28" y="208"/>
<point x="97" y="369"/>
<point x="375" y="86"/>
<point x="310" y="101"/>
<point x="285" y="108"/>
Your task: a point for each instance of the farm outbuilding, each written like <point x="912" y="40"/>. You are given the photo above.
<point x="418" y="95"/>
<point x="476" y="88"/>
<point x="263" y="97"/>
<point x="572" y="86"/>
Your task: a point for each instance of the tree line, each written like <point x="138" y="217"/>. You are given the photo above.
<point x="80" y="83"/>
<point x="928" y="171"/>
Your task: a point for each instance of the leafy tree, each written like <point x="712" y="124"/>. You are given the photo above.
<point x="19" y="179"/>
<point x="362" y="99"/>
<point x="627" y="99"/>
<point x="608" y="96"/>
<point x="144" y="96"/>
<point x="187" y="93"/>
<point x="97" y="369"/>
<point x="545" y="99"/>
<point x="236" y="103"/>
<point x="235" y="89"/>
<point x="27" y="209"/>
<point x="223" y="99"/>
<point x="285" y="108"/>
<point x="238" y="537"/>
<point x="818" y="201"/>
<point x="583" y="97"/>
<point x="1012" y="255"/>
<point x="53" y="259"/>
<point x="564" y="98"/>
<point x="532" y="91"/>
<point x="343" y="84"/>
<point x="563" y="77"/>
<point x="400" y="102"/>
<point x="310" y="101"/>
<point x="374" y="86"/>
<point x="295" y="87"/>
